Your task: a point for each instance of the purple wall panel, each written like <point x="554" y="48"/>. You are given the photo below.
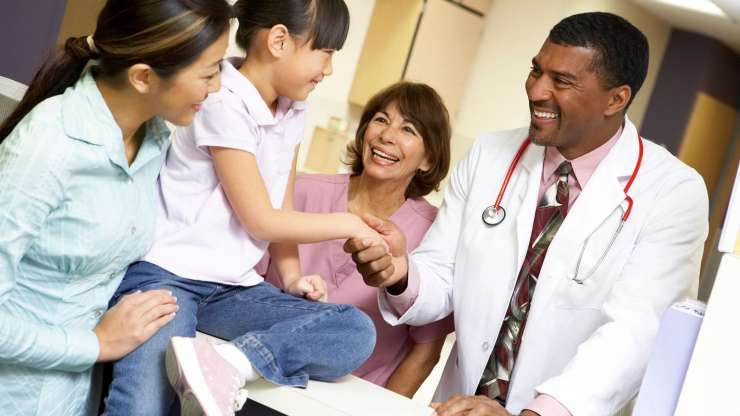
<point x="28" y="32"/>
<point x="692" y="63"/>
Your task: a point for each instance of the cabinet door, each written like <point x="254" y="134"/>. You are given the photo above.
<point x="480" y="6"/>
<point x="80" y="18"/>
<point x="389" y="38"/>
<point x="445" y="49"/>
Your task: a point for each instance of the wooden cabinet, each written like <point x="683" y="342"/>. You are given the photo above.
<point x="326" y="151"/>
<point x="481" y="6"/>
<point x="80" y="18"/>
<point x="430" y="41"/>
<point x="388" y="42"/>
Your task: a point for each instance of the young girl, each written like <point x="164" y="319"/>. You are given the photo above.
<point x="225" y="193"/>
<point x="78" y="167"/>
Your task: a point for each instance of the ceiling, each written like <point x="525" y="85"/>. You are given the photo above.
<point x="724" y="28"/>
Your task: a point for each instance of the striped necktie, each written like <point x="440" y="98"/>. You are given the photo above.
<point x="550" y="213"/>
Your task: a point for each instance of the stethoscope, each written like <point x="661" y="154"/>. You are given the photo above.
<point x="495" y="214"/>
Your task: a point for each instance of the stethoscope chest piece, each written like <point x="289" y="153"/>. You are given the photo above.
<point x="494" y="215"/>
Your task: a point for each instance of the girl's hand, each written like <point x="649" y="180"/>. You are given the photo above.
<point x="311" y="287"/>
<point x="394" y="238"/>
<point x="132" y="321"/>
<point x="368" y="236"/>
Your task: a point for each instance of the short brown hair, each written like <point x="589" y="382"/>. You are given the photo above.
<point x="424" y="108"/>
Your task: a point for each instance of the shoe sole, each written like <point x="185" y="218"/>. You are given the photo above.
<point x="197" y="400"/>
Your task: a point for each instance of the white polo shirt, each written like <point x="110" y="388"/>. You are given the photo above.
<point x="197" y="235"/>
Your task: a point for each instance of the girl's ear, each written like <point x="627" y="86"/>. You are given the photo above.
<point x="141" y="77"/>
<point x="278" y="40"/>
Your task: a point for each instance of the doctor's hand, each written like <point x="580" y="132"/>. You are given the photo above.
<point x="469" y="406"/>
<point x="473" y="406"/>
<point x="311" y="287"/>
<point x="378" y="267"/>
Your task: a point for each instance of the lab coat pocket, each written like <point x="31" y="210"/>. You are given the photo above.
<point x="573" y="295"/>
<point x="589" y="287"/>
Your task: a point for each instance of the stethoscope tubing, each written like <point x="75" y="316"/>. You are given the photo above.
<point x="496" y="207"/>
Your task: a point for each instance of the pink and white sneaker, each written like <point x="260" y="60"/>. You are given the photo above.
<point x="204" y="381"/>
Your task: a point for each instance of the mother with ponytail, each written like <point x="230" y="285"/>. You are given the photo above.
<point x="79" y="158"/>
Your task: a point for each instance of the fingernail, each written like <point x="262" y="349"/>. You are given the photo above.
<point x="138" y="291"/>
<point x="170" y="292"/>
<point x="175" y="297"/>
<point x="367" y="243"/>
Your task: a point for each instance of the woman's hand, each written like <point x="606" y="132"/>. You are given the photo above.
<point x="311" y="287"/>
<point x="131" y="322"/>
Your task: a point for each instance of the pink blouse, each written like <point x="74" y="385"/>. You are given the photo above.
<point x="328" y="193"/>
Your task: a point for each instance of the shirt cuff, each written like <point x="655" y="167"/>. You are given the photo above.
<point x="83" y="347"/>
<point x="545" y="405"/>
<point x="401" y="303"/>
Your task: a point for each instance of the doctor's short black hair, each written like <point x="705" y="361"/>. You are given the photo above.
<point x="622" y="52"/>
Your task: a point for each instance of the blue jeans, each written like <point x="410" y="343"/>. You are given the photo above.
<point x="287" y="339"/>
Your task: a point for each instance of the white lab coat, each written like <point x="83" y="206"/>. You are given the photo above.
<point x="587" y="344"/>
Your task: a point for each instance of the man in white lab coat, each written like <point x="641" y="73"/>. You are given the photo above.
<point x="597" y="285"/>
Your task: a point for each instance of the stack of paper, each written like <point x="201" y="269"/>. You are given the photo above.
<point x="669" y="359"/>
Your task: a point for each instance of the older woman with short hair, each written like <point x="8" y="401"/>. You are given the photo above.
<point x="401" y="153"/>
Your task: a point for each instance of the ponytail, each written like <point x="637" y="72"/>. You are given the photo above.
<point x="58" y="72"/>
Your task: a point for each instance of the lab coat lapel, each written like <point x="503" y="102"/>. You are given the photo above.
<point x="604" y="192"/>
<point x="601" y="196"/>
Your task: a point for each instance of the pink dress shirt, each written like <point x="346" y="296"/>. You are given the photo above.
<point x="583" y="167"/>
<point x="328" y="193"/>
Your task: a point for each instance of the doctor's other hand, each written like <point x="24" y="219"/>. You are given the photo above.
<point x="378" y="267"/>
<point x="311" y="287"/>
<point x="132" y="321"/>
<point x="473" y="406"/>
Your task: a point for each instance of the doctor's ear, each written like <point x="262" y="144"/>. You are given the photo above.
<point x="142" y="77"/>
<point x="618" y="100"/>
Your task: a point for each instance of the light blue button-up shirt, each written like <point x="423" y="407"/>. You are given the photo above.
<point x="73" y="216"/>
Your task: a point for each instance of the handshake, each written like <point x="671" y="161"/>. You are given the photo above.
<point x="381" y="265"/>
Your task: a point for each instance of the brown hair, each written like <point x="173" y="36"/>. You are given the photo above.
<point x="420" y="104"/>
<point x="167" y="35"/>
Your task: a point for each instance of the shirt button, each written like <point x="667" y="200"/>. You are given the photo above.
<point x="279" y="130"/>
<point x="133" y="230"/>
<point x="130" y="181"/>
<point x="486" y="346"/>
<point x="98" y="313"/>
<point x="113" y="275"/>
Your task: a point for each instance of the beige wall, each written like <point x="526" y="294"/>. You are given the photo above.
<point x="495" y="97"/>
